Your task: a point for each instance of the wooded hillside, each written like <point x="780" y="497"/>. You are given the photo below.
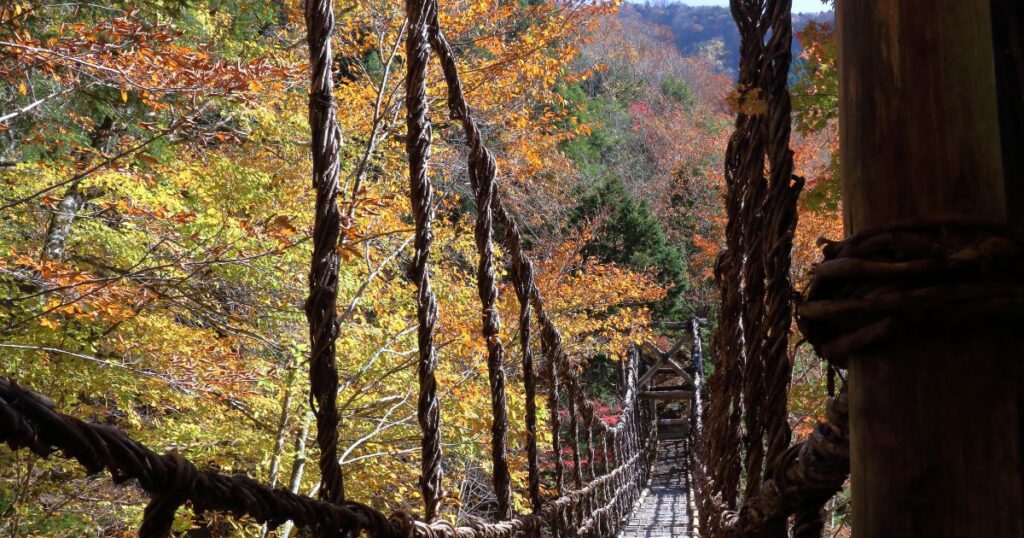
<point x="706" y="30"/>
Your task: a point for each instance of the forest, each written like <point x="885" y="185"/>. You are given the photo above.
<point x="156" y="218"/>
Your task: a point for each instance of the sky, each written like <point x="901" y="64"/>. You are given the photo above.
<point x="799" y="6"/>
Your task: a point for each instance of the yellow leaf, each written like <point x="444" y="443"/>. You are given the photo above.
<point x="124" y="96"/>
<point x="22" y="89"/>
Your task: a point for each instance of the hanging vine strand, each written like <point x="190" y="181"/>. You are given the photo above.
<point x="321" y="306"/>
<point x="421" y="197"/>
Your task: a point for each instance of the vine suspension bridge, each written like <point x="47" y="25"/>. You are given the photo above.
<point x="725" y="466"/>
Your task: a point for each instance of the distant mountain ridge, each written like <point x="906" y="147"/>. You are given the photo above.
<point x="694" y="26"/>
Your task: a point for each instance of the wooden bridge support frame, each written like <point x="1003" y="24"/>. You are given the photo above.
<point x="937" y="425"/>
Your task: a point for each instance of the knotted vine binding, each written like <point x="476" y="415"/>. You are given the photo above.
<point x="887" y="283"/>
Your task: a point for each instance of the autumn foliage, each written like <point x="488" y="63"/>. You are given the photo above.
<point x="156" y="210"/>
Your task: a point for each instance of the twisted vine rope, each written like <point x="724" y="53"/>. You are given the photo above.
<point x="750" y="176"/>
<point x="748" y="391"/>
<point x="421" y="197"/>
<point x="482" y="178"/>
<point x="491" y="328"/>
<point x="321" y="305"/>
<point x="719" y="449"/>
<point x="523" y="279"/>
<point x="804" y="478"/>
<point x="574" y="432"/>
<point x="481" y="164"/>
<point x="780" y="219"/>
<point x="804" y="475"/>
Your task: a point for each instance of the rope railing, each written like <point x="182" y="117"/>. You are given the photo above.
<point x="29" y="421"/>
<point x="482" y="171"/>
<point x="482" y="176"/>
<point x="780" y="219"/>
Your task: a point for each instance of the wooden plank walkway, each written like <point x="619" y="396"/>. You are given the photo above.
<point x="663" y="512"/>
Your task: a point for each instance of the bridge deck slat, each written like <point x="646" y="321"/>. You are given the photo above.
<point x="664" y="511"/>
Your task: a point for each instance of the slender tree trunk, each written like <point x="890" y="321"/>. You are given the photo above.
<point x="936" y="423"/>
<point x="298" y="467"/>
<point x="282" y="430"/>
<point x="75" y="197"/>
<point x="282" y="423"/>
<point x="60" y="222"/>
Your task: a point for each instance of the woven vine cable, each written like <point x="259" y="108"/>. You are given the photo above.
<point x="421" y="196"/>
<point x="698" y="480"/>
<point x="589" y="443"/>
<point x="805" y="474"/>
<point x="556" y="422"/>
<point x="613" y="451"/>
<point x="723" y="440"/>
<point x="574" y="432"/>
<point x="801" y="478"/>
<point x="591" y="471"/>
<point x="751" y="171"/>
<point x="522" y="278"/>
<point x="604" y="453"/>
<point x="754" y="335"/>
<point x="697" y="360"/>
<point x="807" y="520"/>
<point x="761" y="217"/>
<point x="780" y="223"/>
<point x="482" y="178"/>
<point x="588" y="474"/>
<point x="551" y="339"/>
<point x="766" y="223"/>
<point x="483" y="169"/>
<point x="321" y="305"/>
<point x="688" y="475"/>
<point x="723" y="434"/>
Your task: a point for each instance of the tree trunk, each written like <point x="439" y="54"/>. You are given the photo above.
<point x="282" y="424"/>
<point x="298" y="468"/>
<point x="59" y="229"/>
<point x="936" y="423"/>
<point x="282" y="431"/>
<point x="75" y="197"/>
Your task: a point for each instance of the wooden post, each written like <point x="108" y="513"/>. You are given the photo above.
<point x="1008" y="42"/>
<point x="936" y="421"/>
